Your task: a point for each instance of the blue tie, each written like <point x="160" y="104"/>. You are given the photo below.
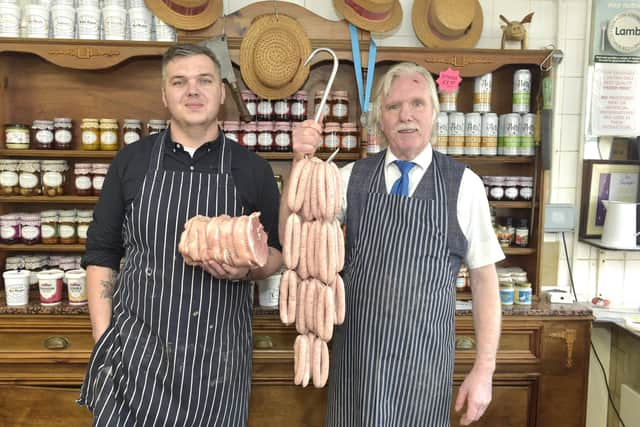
<point x="401" y="186"/>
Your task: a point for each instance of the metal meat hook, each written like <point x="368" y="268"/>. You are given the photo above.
<point x="327" y="89"/>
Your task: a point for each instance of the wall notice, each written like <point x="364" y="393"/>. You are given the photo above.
<point x="615" y="109"/>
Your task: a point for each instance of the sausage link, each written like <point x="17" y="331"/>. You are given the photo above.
<point x="330" y="190"/>
<point x="311" y="249"/>
<point x="320" y="363"/>
<point x="321" y="253"/>
<point x="319" y="312"/>
<point x="328" y="315"/>
<point x="294" y="181"/>
<point x="303" y="271"/>
<point x="301" y="325"/>
<point x="338" y="194"/>
<point x="283" y="299"/>
<point x="307" y="214"/>
<point x="341" y="249"/>
<point x="339" y="301"/>
<point x="291" y="246"/>
<point x="322" y="193"/>
<point x="300" y="361"/>
<point x="310" y="303"/>
<point x="332" y="251"/>
<point x="293" y="290"/>
<point x="303" y="187"/>
<point x="309" y="374"/>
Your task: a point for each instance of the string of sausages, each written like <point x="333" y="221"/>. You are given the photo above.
<point x="311" y="290"/>
<point x="237" y="241"/>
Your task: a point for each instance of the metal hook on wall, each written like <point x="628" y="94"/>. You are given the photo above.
<point x="552" y="59"/>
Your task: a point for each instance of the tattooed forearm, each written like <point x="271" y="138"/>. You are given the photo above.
<point x="106" y="286"/>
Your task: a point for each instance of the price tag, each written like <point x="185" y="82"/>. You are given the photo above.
<point x="449" y="80"/>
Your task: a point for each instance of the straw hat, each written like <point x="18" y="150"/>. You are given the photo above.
<point x="378" y="16"/>
<point x="186" y="14"/>
<point x="271" y="56"/>
<point x="447" y="23"/>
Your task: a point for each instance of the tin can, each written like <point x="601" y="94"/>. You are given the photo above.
<point x="455" y="145"/>
<point x="472" y="132"/>
<point x="482" y="93"/>
<point x="521" y="91"/>
<point x="489" y="135"/>
<point x="442" y="129"/>
<point x="527" y="132"/>
<point x="511" y="134"/>
<point x="448" y="100"/>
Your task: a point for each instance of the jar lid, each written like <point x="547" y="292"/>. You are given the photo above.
<point x="67" y="213"/>
<point x="82" y="165"/>
<point x="108" y="120"/>
<point x="231" y="125"/>
<point x="100" y="167"/>
<point x="331" y="127"/>
<point x="9" y="165"/>
<point x="89" y="123"/>
<point x="300" y="94"/>
<point x="351" y="126"/>
<point x="342" y="94"/>
<point x="16" y="126"/>
<point x="30" y="216"/>
<point x="42" y="124"/>
<point x="251" y="126"/>
<point x="283" y="126"/>
<point x="157" y="122"/>
<point x="9" y="217"/>
<point x="265" y="126"/>
<point x="108" y="125"/>
<point x="54" y="165"/>
<point x="505" y="284"/>
<point x="319" y="94"/>
<point x="29" y="165"/>
<point x="248" y="94"/>
<point x="132" y="123"/>
<point x="85" y="213"/>
<point x="58" y="120"/>
<point x="523" y="284"/>
<point x="49" y="215"/>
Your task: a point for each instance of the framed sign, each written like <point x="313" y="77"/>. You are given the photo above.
<point x="605" y="180"/>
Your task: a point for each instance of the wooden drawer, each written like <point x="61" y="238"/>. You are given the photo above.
<point x="45" y="346"/>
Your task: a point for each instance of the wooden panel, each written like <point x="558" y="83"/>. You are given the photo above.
<point x="32" y="347"/>
<point x="290" y="406"/>
<point x="41" y="407"/>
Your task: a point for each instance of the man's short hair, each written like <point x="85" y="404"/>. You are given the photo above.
<point x="186" y="50"/>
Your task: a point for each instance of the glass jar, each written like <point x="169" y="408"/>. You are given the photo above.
<point x="265" y="110"/>
<point x="53" y="177"/>
<point x="35" y="264"/>
<point x="131" y="131"/>
<point x="30" y="228"/>
<point x="340" y="106"/>
<point x="16" y="136"/>
<point x="282" y="110"/>
<point x="326" y="110"/>
<point x="14" y="263"/>
<point x="282" y="136"/>
<point x="62" y="133"/>
<point x="82" y="185"/>
<point x="522" y="293"/>
<point x="42" y="134"/>
<point x="331" y="136"/>
<point x="232" y="129"/>
<point x="526" y="188"/>
<point x="156" y="126"/>
<point x="251" y="102"/>
<point x="265" y="136"/>
<point x="29" y="177"/>
<point x="98" y="174"/>
<point x="519" y="276"/>
<point x="9" y="184"/>
<point x="49" y="227"/>
<point x="108" y="134"/>
<point x="67" y="226"/>
<point x="299" y="106"/>
<point x="9" y="228"/>
<point x="83" y="219"/>
<point x="506" y="293"/>
<point x="511" y="189"/>
<point x="461" y="279"/>
<point x="521" y="234"/>
<point x="249" y="136"/>
<point x="496" y="191"/>
<point x="90" y="134"/>
<point x="350" y="137"/>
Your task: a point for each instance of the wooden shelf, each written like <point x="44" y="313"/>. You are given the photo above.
<point x="490" y="160"/>
<point x="42" y="248"/>
<point x="519" y="251"/>
<point x="511" y="205"/>
<point x="56" y="154"/>
<point x="46" y="199"/>
<point x="289" y="156"/>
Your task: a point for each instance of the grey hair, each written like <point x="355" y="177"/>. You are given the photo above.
<point x="384" y="85"/>
<point x="185" y="50"/>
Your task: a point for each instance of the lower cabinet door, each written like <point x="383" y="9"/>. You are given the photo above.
<point x="287" y="405"/>
<point x="30" y="406"/>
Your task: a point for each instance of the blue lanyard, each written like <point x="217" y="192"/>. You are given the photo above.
<point x="357" y="67"/>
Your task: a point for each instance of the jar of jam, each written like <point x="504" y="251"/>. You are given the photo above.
<point x="14" y="262"/>
<point x="108" y="134"/>
<point x="340" y="106"/>
<point x="53" y="177"/>
<point x="131" y="131"/>
<point x="98" y="174"/>
<point x="9" y="228"/>
<point x="67" y="226"/>
<point x="90" y="134"/>
<point x="62" y="133"/>
<point x="16" y="136"/>
<point x="326" y="111"/>
<point x="264" y="110"/>
<point x="232" y="129"/>
<point x="29" y="177"/>
<point x="299" y="106"/>
<point x="42" y="134"/>
<point x="83" y="219"/>
<point x="526" y="188"/>
<point x="331" y="136"/>
<point x="496" y="191"/>
<point x="521" y="234"/>
<point x="511" y="190"/>
<point x="9" y="184"/>
<point x="265" y="136"/>
<point x="249" y="135"/>
<point x="49" y="227"/>
<point x="350" y="137"/>
<point x="156" y="126"/>
<point x="282" y="136"/>
<point x="82" y="184"/>
<point x="282" y="110"/>
<point x="30" y="228"/>
<point x="251" y="101"/>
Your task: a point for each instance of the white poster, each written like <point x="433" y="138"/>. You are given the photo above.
<point x="615" y="109"/>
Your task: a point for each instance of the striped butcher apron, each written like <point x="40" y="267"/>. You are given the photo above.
<point x="392" y="360"/>
<point x="178" y="349"/>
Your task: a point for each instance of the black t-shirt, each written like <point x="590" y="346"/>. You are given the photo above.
<point x="252" y="176"/>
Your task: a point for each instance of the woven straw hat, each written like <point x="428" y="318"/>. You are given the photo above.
<point x="447" y="23"/>
<point x="186" y="14"/>
<point x="271" y="56"/>
<point x="378" y="16"/>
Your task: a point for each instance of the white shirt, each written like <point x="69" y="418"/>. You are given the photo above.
<point x="473" y="208"/>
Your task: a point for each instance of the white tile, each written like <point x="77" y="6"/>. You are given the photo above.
<point x="573" y="63"/>
<point x="568" y="166"/>
<point x="572" y="95"/>
<point x="396" y="40"/>
<point x="633" y="256"/>
<point x="555" y="170"/>
<point x="541" y="42"/>
<point x="543" y="24"/>
<point x="611" y="279"/>
<point x="576" y="24"/>
<point x="491" y="22"/>
<point x="631" y="287"/>
<point x="322" y="8"/>
<point x="488" y="43"/>
<point x="584" y="279"/>
<point x="565" y="195"/>
<point x="512" y="10"/>
<point x="606" y="255"/>
<point x="583" y="251"/>
<point x="570" y="133"/>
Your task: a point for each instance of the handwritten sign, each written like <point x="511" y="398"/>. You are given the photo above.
<point x="449" y="80"/>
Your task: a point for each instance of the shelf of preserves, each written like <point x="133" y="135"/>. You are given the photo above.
<point x="492" y="160"/>
<point x="519" y="251"/>
<point x="55" y="154"/>
<point x="324" y="156"/>
<point x="511" y="205"/>
<point x="40" y="247"/>
<point x="89" y="200"/>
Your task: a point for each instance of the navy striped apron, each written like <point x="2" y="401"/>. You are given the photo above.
<point x="392" y="360"/>
<point x="178" y="349"/>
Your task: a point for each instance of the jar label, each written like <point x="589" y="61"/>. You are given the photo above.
<point x="8" y="179"/>
<point x="9" y="24"/>
<point x="67" y="231"/>
<point x="297" y="108"/>
<point x="48" y="231"/>
<point x="82" y="230"/>
<point x="17" y="137"/>
<point x="251" y="107"/>
<point x="265" y="108"/>
<point x="496" y="192"/>
<point x="63" y="136"/>
<point x="339" y="110"/>
<point x="8" y="232"/>
<point x="50" y="290"/>
<point x="28" y="180"/>
<point x="265" y="139"/>
<point x="131" y="137"/>
<point x="250" y="139"/>
<point x="97" y="182"/>
<point x="331" y="141"/>
<point x="52" y="179"/>
<point x="526" y="193"/>
<point x="283" y="140"/>
<point x="108" y="137"/>
<point x="77" y="290"/>
<point x="511" y="193"/>
<point x="36" y="24"/>
<point x="281" y="107"/>
<point x="349" y="142"/>
<point x="63" y="25"/>
<point x="44" y="136"/>
<point x="30" y="232"/>
<point x="89" y="137"/>
<point x="83" y="182"/>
